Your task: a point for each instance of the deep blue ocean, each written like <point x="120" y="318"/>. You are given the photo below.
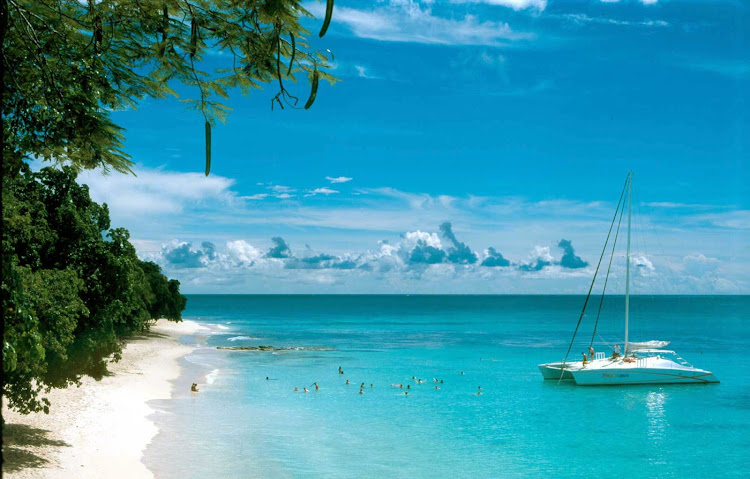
<point x="243" y="425"/>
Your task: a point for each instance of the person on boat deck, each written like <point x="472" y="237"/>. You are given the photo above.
<point x="591" y="353"/>
<point x="584" y="358"/>
<point x="616" y="352"/>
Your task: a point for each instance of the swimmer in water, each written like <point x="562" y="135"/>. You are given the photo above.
<point x="347" y="381"/>
<point x="296" y="390"/>
<point x="305" y="389"/>
<point x="462" y="373"/>
<point x="362" y="385"/>
<point x="406" y="393"/>
<point x="408" y="386"/>
<point x="316" y="385"/>
<point x="266" y="378"/>
<point x="341" y="371"/>
<point x="437" y="387"/>
<point x="361" y="391"/>
<point x="370" y="385"/>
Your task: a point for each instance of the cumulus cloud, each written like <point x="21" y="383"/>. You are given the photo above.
<point x="459" y="253"/>
<point x="181" y="254"/>
<point x="569" y="258"/>
<point x="280" y="249"/>
<point x="423" y="253"/>
<point x="494" y="259"/>
<point x="243" y="253"/>
<point x="643" y="265"/>
<point x="539" y="258"/>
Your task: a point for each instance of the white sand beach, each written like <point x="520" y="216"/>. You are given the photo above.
<point x="101" y="428"/>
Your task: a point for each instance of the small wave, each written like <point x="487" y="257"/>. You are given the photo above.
<point x="211" y="377"/>
<point x="274" y="348"/>
<point x="240" y="338"/>
<point x="221" y="326"/>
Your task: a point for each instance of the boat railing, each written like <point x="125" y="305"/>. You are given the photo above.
<point x="641" y="362"/>
<point x="599" y="355"/>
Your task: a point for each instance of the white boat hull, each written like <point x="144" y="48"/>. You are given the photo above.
<point x="641" y="376"/>
<point x="558" y="371"/>
<point x="648" y="370"/>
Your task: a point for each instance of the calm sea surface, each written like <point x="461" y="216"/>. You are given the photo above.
<point x="242" y="425"/>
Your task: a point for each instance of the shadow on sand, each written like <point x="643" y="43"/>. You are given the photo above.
<point x="21" y="445"/>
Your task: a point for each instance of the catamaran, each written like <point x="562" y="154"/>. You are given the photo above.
<point x="643" y="362"/>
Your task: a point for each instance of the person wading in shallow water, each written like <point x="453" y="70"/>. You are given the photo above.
<point x="194" y="387"/>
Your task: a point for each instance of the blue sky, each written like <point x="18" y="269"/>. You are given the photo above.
<point x="514" y="121"/>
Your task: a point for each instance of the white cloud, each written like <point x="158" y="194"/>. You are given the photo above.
<point x="155" y="191"/>
<point x="243" y="252"/>
<point x="582" y="18"/>
<point x="514" y="4"/>
<point x="406" y="21"/>
<point x="338" y="179"/>
<point x="259" y="196"/>
<point x="322" y="191"/>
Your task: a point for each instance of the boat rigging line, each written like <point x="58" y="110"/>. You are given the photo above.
<point x="593" y="280"/>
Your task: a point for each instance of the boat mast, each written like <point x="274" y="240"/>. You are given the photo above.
<point x="627" y="262"/>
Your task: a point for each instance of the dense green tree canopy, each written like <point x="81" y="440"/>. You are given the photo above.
<point x="72" y="287"/>
<point x="68" y="63"/>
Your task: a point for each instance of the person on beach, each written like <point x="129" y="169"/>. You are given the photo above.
<point x="584" y="359"/>
<point x="194" y="387"/>
<point x="616" y="352"/>
<point x="591" y="353"/>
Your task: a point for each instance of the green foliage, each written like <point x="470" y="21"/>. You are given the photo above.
<point x="72" y="288"/>
<point x="68" y="63"/>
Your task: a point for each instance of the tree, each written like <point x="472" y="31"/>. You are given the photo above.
<point x="72" y="288"/>
<point x="68" y="63"/>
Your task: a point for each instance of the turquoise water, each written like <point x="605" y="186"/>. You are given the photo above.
<point x="243" y="425"/>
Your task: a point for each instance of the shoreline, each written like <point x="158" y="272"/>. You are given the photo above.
<point x="102" y="428"/>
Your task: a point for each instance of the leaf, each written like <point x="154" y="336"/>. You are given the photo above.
<point x="313" y="91"/>
<point x="294" y="50"/>
<point x="327" y="20"/>
<point x="208" y="147"/>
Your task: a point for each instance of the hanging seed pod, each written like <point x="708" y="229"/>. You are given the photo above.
<point x="313" y="91"/>
<point x="327" y="19"/>
<point x="193" y="37"/>
<point x="164" y="23"/>
<point x="208" y="147"/>
<point x="294" y="51"/>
